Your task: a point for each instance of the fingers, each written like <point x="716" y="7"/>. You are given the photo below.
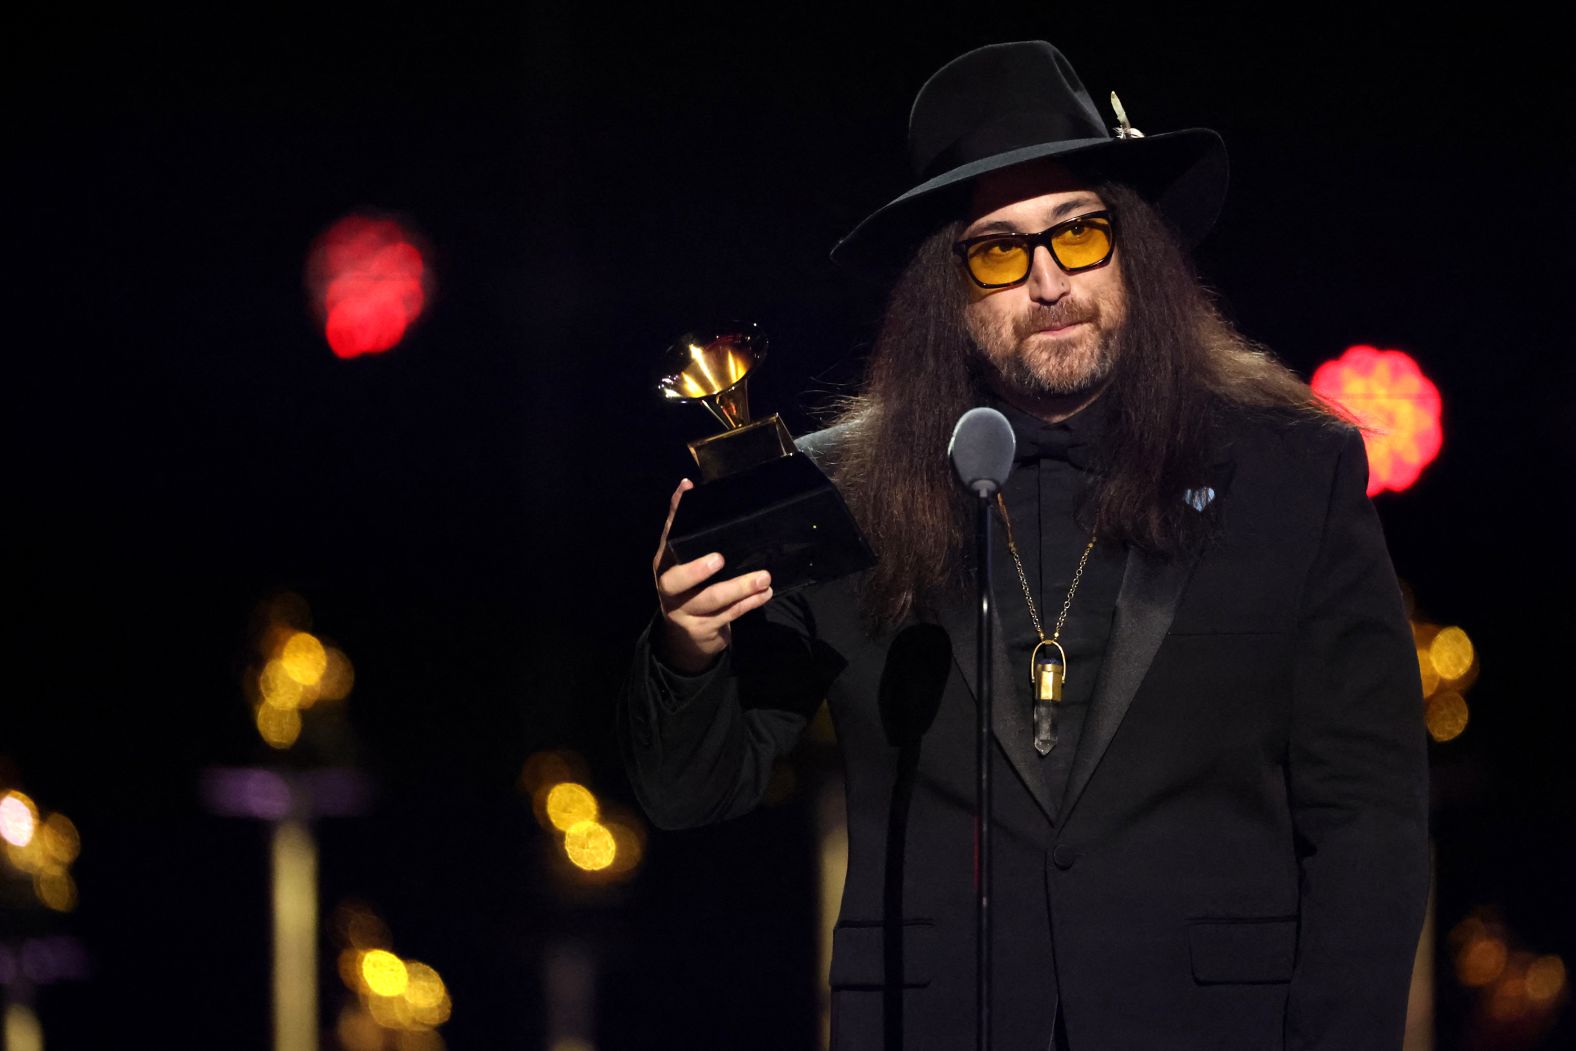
<point x="711" y="601"/>
<point x="685" y="485"/>
<point x="686" y="576"/>
<point x="697" y="611"/>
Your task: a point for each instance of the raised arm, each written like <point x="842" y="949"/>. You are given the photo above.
<point x="698" y="727"/>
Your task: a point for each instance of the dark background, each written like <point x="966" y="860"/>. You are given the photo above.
<point x="471" y="515"/>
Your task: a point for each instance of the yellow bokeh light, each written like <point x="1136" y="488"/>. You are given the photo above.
<point x="568" y="804"/>
<point x="338" y="676"/>
<point x="357" y="1031"/>
<point x="590" y="846"/>
<point x="424" y="988"/>
<point x="18" y="819"/>
<point x="628" y="846"/>
<point x="358" y="926"/>
<point x="384" y="973"/>
<point x="418" y="1040"/>
<point x="1545" y="978"/>
<point x="1425" y="668"/>
<point x="391" y="1012"/>
<point x="426" y="995"/>
<point x="304" y="658"/>
<point x="278" y="687"/>
<point x="350" y="970"/>
<point x="1481" y="961"/>
<point x="1445" y="715"/>
<point x="544" y="769"/>
<point x="1451" y="652"/>
<point x="279" y="726"/>
<point x="1507" y="1001"/>
<point x="60" y="839"/>
<point x="56" y="889"/>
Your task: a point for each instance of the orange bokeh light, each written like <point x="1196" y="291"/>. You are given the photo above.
<point x="1398" y="407"/>
<point x="369" y="282"/>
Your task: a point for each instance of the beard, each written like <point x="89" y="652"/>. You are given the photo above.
<point x="1040" y="365"/>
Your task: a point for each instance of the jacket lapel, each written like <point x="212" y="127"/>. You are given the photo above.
<point x="1145" y="606"/>
<point x="1009" y="720"/>
<point x="1146" y="603"/>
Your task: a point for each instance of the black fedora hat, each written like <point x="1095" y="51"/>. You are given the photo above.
<point x="1008" y="104"/>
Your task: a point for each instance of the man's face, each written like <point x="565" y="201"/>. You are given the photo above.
<point x="1052" y="335"/>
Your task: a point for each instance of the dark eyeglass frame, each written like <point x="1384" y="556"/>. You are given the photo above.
<point x="1045" y="238"/>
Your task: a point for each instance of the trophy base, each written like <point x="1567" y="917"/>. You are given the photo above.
<point x="783" y="516"/>
<point x="742" y="448"/>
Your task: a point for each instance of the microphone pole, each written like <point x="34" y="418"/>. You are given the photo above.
<point x="981" y="452"/>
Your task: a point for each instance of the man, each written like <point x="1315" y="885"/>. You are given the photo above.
<point x="1215" y="838"/>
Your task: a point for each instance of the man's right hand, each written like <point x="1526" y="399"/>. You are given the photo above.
<point x="695" y="614"/>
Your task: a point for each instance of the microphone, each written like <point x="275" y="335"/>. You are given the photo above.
<point x="981" y="450"/>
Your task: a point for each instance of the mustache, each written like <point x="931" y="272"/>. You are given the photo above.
<point x="1054" y="316"/>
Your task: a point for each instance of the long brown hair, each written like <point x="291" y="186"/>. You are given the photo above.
<point x="1178" y="364"/>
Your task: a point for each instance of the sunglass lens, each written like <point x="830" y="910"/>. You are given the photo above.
<point x="1083" y="243"/>
<point x="1000" y="262"/>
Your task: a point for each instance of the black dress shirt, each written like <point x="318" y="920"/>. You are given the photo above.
<point x="1044" y="495"/>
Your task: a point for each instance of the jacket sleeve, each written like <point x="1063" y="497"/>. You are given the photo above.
<point x="1357" y="784"/>
<point x="699" y="749"/>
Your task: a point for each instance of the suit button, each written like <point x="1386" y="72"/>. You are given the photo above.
<point x="1063" y="857"/>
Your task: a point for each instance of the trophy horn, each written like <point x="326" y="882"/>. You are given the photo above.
<point x="710" y="366"/>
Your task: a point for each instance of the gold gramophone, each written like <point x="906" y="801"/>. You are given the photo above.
<point x="711" y="367"/>
<point x="762" y="503"/>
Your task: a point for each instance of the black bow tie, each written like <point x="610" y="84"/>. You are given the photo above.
<point x="1048" y="441"/>
<point x="1071" y="441"/>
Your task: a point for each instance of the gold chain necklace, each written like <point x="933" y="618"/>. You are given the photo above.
<point x="1047" y="674"/>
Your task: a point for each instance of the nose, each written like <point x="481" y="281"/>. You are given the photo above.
<point x="1047" y="282"/>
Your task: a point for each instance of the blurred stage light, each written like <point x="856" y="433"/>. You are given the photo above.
<point x="60" y="838"/>
<point x="1452" y="653"/>
<point x="629" y="845"/>
<point x="350" y="969"/>
<point x="369" y="283"/>
<point x="569" y="804"/>
<point x="304" y="658"/>
<point x="1481" y="961"/>
<point x="278" y="727"/>
<point x="1427" y="671"/>
<point x="418" y="1040"/>
<point x="426" y="995"/>
<point x="357" y="1031"/>
<point x="384" y="973"/>
<point x="1398" y="407"/>
<point x="1545" y="979"/>
<point x="590" y="845"/>
<point x="359" y="927"/>
<point x="1445" y="715"/>
<point x="56" y="889"/>
<point x="338" y="676"/>
<point x="18" y="818"/>
<point x="542" y="770"/>
<point x="279" y="689"/>
<point x="390" y="1012"/>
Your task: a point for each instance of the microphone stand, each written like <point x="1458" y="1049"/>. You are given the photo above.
<point x="982" y="750"/>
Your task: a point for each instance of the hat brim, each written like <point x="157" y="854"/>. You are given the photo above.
<point x="1183" y="173"/>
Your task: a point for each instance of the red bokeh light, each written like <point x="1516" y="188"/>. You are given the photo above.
<point x="1397" y="406"/>
<point x="369" y="284"/>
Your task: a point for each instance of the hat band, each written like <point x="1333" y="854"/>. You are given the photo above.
<point x="1010" y="131"/>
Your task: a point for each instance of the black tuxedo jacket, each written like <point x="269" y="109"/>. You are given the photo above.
<point x="1239" y="859"/>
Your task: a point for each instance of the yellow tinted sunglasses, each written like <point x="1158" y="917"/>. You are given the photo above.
<point x="1002" y="260"/>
